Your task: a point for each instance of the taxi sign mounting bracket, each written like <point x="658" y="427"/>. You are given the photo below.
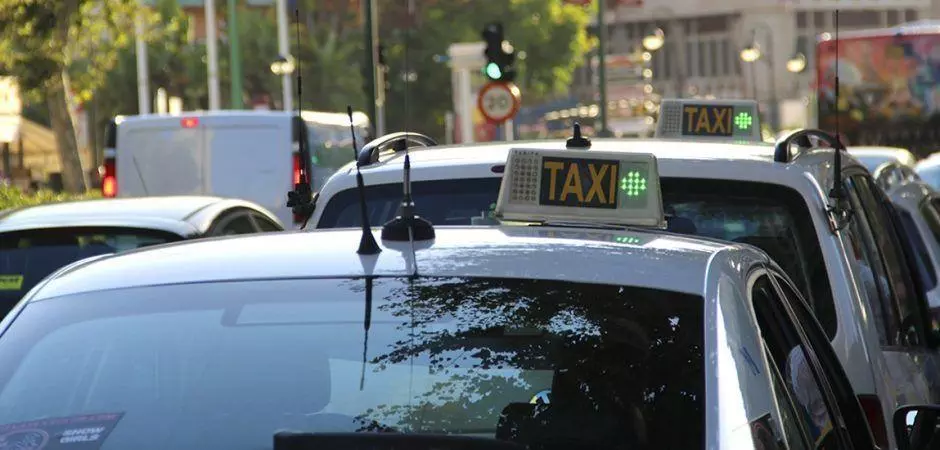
<point x="576" y="140"/>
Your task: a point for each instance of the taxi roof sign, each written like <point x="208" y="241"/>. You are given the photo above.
<point x="709" y="120"/>
<point x="592" y="187"/>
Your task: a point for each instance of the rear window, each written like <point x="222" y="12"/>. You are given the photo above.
<point x="771" y="217"/>
<point x="919" y="253"/>
<point x="443" y="202"/>
<point x="26" y="257"/>
<point x="226" y="365"/>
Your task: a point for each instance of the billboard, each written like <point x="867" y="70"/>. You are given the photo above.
<point x="889" y="89"/>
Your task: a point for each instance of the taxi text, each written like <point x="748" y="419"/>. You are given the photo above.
<point x="579" y="182"/>
<point x="706" y="120"/>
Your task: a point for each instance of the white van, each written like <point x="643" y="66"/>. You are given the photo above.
<point x="251" y="155"/>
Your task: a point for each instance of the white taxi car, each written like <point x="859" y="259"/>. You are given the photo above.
<point x="918" y="210"/>
<point x="720" y="181"/>
<point x="602" y="333"/>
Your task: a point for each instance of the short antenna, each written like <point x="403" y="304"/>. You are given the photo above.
<point x="367" y="244"/>
<point x="300" y="200"/>
<point x="408" y="227"/>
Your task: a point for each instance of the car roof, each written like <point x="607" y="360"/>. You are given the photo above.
<point x="681" y="159"/>
<point x="175" y="214"/>
<point x="648" y="258"/>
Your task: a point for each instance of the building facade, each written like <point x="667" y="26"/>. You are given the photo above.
<point x="703" y="39"/>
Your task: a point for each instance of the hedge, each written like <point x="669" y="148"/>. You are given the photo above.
<point x="11" y="197"/>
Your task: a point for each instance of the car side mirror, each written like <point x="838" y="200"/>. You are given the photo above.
<point x="917" y="427"/>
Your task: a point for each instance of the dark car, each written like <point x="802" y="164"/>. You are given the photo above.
<point x="37" y="240"/>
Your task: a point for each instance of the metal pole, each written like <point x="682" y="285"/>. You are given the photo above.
<point x="509" y="131"/>
<point x="465" y="115"/>
<point x="143" y="72"/>
<point x="212" y="51"/>
<point x="283" y="48"/>
<point x="774" y="106"/>
<point x="368" y="6"/>
<point x="235" y="57"/>
<point x="379" y="82"/>
<point x="602" y="67"/>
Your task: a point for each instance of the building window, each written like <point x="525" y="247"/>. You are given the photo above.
<point x="910" y="15"/>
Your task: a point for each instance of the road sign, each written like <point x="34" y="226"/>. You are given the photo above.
<point x="499" y="101"/>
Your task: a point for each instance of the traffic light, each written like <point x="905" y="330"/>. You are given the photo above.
<point x="499" y="53"/>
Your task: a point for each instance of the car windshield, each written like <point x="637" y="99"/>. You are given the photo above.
<point x="226" y="365"/>
<point x="771" y="217"/>
<point x="26" y="257"/>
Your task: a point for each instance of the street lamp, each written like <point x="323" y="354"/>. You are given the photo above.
<point x="797" y="63"/>
<point x="655" y="40"/>
<point x="751" y="53"/>
<point x="283" y="65"/>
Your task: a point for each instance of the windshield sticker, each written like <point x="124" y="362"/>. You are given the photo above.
<point x="75" y="433"/>
<point x="11" y="282"/>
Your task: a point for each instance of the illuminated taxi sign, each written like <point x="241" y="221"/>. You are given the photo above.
<point x="709" y="120"/>
<point x="583" y="187"/>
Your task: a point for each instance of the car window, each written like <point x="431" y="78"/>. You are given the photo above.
<point x="26" y="257"/>
<point x="225" y="365"/>
<point x="931" y="212"/>
<point x="239" y="223"/>
<point x="774" y="218"/>
<point x="443" y="202"/>
<point x="925" y="267"/>
<point x="859" y="423"/>
<point x="789" y="358"/>
<point x="879" y="238"/>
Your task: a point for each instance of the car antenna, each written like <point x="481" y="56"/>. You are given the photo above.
<point x="300" y="200"/>
<point x="837" y="193"/>
<point x="408" y="226"/>
<point x="367" y="244"/>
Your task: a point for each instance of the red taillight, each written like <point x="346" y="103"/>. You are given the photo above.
<point x="109" y="178"/>
<point x="876" y="419"/>
<point x="298" y="218"/>
<point x="296" y="169"/>
<point x="189" y="122"/>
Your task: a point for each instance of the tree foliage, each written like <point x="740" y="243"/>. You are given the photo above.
<point x="59" y="47"/>
<point x="552" y="34"/>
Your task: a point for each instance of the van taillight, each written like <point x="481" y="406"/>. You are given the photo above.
<point x="876" y="418"/>
<point x="109" y="178"/>
<point x="296" y="180"/>
<point x="296" y="169"/>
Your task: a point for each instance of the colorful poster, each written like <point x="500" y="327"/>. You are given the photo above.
<point x="889" y="87"/>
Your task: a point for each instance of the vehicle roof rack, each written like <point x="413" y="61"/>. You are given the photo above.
<point x="893" y="173"/>
<point x="801" y="138"/>
<point x="369" y="154"/>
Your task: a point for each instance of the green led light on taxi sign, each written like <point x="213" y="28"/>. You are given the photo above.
<point x="633" y="184"/>
<point x="743" y="120"/>
<point x="627" y="240"/>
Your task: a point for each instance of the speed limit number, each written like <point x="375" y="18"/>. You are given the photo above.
<point x="498" y="101"/>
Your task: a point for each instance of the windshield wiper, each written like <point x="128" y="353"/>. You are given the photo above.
<point x="289" y="440"/>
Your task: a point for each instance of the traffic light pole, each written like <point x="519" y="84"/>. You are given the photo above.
<point x="602" y="68"/>
<point x="368" y="8"/>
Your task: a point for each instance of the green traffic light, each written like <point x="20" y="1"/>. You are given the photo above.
<point x="492" y="71"/>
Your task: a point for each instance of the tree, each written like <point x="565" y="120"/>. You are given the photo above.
<point x="56" y="47"/>
<point x="552" y="34"/>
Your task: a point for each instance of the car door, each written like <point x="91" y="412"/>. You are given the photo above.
<point x="898" y="311"/>
<point x="808" y="381"/>
<point x="231" y="222"/>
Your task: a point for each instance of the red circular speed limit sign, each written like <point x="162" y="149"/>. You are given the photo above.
<point x="499" y="102"/>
